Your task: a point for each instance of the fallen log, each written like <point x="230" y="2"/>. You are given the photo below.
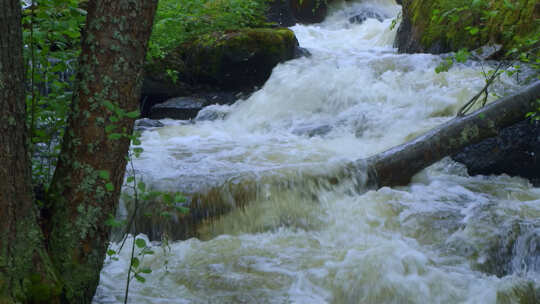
<point x="396" y="166"/>
<point x="393" y="167"/>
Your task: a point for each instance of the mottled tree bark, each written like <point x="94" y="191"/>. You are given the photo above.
<point x="25" y="270"/>
<point x="60" y="260"/>
<point x="87" y="181"/>
<point x="397" y="166"/>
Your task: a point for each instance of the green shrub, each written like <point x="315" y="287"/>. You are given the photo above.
<point x="180" y="21"/>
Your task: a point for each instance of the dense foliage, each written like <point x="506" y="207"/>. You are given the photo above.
<point x="467" y="24"/>
<point x="180" y="21"/>
<point x="51" y="34"/>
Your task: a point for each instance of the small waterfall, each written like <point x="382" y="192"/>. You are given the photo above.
<point x="278" y="219"/>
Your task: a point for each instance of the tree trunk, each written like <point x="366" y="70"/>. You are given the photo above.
<point x="25" y="269"/>
<point x="396" y="166"/>
<point x="58" y="260"/>
<point x="87" y="182"/>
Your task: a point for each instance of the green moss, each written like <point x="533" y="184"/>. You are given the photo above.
<point x="213" y="57"/>
<point x="446" y="22"/>
<point x="180" y="21"/>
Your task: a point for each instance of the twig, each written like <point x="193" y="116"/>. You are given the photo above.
<point x="484" y="91"/>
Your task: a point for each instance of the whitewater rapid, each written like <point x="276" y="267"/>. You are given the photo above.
<point x="445" y="238"/>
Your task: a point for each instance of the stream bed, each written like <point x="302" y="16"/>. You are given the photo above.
<point x="445" y="238"/>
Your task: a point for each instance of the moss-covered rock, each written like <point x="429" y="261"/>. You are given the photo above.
<point x="221" y="61"/>
<point x="428" y="25"/>
<point x="238" y="59"/>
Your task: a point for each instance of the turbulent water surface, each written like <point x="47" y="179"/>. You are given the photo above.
<point x="445" y="238"/>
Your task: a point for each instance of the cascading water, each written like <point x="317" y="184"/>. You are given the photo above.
<point x="445" y="238"/>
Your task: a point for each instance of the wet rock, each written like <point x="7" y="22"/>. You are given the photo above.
<point x="514" y="251"/>
<point x="499" y="253"/>
<point x="156" y="90"/>
<point x="289" y="12"/>
<point x="486" y="52"/>
<point x="183" y="108"/>
<point x="279" y="11"/>
<point x="226" y="61"/>
<point x="146" y="123"/>
<point x="309" y="11"/>
<point x="194" y="102"/>
<point x="311" y="131"/>
<point x="301" y="52"/>
<point x="516" y="152"/>
<point x="365" y="15"/>
<point x="213" y="112"/>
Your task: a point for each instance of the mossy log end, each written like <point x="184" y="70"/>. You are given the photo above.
<point x="396" y="166"/>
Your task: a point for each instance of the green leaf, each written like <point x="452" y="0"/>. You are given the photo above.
<point x="179" y="198"/>
<point x="140" y="278"/>
<point x="115" y="136"/>
<point x="141" y="243"/>
<point x="508" y="4"/>
<point x="135" y="262"/>
<point x="147" y="251"/>
<point x="474" y="30"/>
<point x="136" y="142"/>
<point x="477" y="3"/>
<point x="73" y="34"/>
<point x="152" y="195"/>
<point x="104" y="174"/>
<point x="167" y="198"/>
<point x="133" y="114"/>
<point x="111" y="252"/>
<point x="462" y="55"/>
<point x="141" y="186"/>
<point x="109" y="128"/>
<point x="146" y="270"/>
<point x="112" y="222"/>
<point x="109" y="187"/>
<point x="109" y="105"/>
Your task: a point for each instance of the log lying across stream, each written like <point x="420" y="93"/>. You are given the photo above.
<point x="396" y="166"/>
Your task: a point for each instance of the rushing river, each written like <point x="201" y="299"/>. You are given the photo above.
<point x="445" y="238"/>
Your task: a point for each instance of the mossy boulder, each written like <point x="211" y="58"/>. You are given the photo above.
<point x="440" y="26"/>
<point x="237" y="59"/>
<point x="221" y="61"/>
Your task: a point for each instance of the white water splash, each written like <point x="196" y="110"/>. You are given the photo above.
<point x="434" y="241"/>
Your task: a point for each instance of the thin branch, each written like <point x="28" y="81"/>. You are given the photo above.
<point x="484" y="91"/>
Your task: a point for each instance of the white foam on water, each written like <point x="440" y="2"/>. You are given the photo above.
<point x="434" y="241"/>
